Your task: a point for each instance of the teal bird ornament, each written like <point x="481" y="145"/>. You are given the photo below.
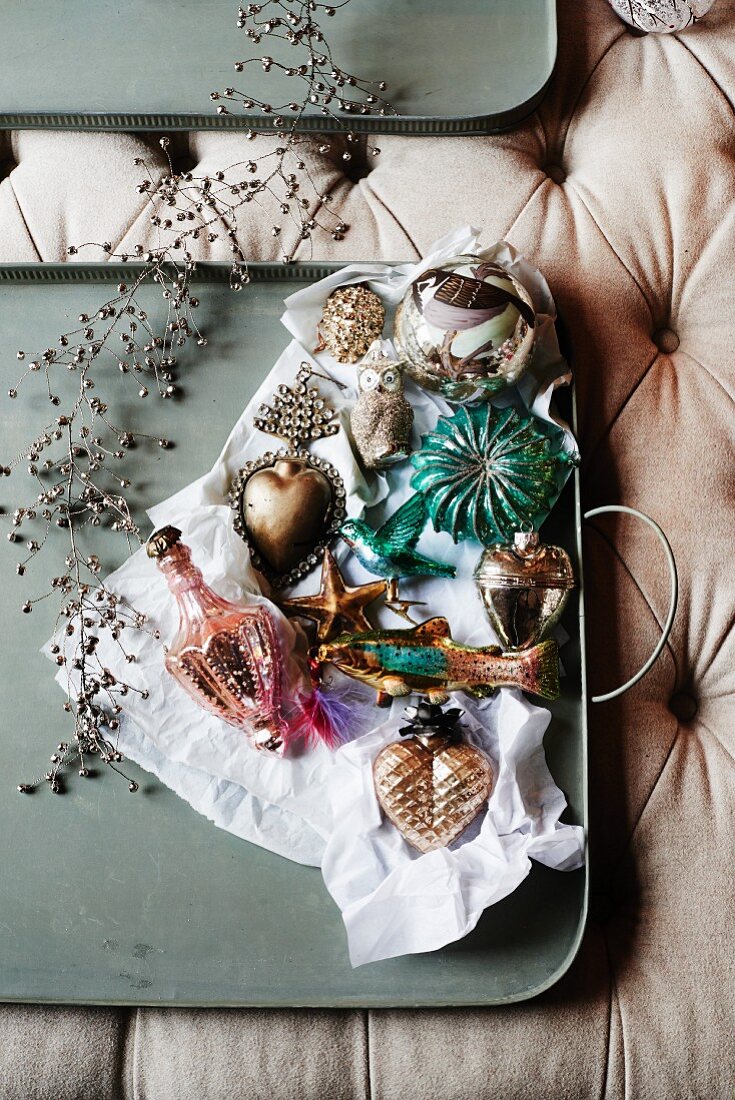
<point x="486" y="473"/>
<point x="390" y="551"/>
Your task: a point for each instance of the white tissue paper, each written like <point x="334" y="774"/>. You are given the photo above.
<point x="395" y="900"/>
<point x="318" y="807"/>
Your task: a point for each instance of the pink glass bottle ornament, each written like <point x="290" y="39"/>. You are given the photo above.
<point x="226" y="656"/>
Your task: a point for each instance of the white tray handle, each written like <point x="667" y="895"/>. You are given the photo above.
<point x="672" y="605"/>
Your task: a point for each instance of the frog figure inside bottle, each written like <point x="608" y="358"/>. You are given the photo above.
<point x="226" y="656"/>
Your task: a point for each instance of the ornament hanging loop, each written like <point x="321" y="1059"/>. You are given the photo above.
<point x="306" y="372"/>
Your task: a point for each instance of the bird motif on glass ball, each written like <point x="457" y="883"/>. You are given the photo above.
<point x="454" y="301"/>
<point x="382" y="418"/>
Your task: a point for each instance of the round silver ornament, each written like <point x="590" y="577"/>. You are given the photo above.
<point x="661" y="16"/>
<point x="524" y="587"/>
<point x="466" y="329"/>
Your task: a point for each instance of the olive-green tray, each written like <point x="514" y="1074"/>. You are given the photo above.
<point x="110" y="897"/>
<point x="452" y="66"/>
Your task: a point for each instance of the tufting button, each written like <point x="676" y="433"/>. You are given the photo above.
<point x="181" y="153"/>
<point x="683" y="706"/>
<point x="556" y="173"/>
<point x="666" y="340"/>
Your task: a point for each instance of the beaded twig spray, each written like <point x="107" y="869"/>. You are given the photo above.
<point x="77" y="460"/>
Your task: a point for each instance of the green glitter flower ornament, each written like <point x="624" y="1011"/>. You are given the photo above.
<point x="486" y="473"/>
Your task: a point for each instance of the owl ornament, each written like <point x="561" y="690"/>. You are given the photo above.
<point x="381" y="419"/>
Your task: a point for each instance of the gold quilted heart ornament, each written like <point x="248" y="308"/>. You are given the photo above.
<point x="433" y="785"/>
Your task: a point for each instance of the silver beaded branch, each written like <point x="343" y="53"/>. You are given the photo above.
<point x="327" y="87"/>
<point x="76" y="464"/>
<point x="77" y="460"/>
<point x="186" y="207"/>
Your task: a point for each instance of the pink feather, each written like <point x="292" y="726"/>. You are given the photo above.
<point x="326" y="716"/>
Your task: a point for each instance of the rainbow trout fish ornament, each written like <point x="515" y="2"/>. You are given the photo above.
<point x="427" y="661"/>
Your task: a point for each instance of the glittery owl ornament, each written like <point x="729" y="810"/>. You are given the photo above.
<point x="382" y="418"/>
<point x="661" y="16"/>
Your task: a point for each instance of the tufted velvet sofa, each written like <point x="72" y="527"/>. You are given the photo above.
<point x="622" y="189"/>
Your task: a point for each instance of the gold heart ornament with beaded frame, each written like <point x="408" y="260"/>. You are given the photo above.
<point x="289" y="504"/>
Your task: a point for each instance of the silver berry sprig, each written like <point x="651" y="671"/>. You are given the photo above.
<point x="322" y="85"/>
<point x="186" y="207"/>
<point x="77" y="460"/>
<point x="77" y="467"/>
<point x="327" y="86"/>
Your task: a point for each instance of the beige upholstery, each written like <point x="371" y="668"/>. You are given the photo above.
<point x="622" y="189"/>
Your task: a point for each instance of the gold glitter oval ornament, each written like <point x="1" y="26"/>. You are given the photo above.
<point x="433" y="785"/>
<point x="352" y="318"/>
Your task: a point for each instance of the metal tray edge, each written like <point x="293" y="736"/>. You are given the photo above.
<point x="408" y="125"/>
<point x="206" y="270"/>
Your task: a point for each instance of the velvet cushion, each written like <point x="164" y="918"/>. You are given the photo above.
<point x="621" y="188"/>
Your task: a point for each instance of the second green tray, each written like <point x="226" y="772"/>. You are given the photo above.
<point x="452" y="66"/>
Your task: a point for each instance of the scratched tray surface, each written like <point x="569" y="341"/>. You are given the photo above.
<point x="452" y="66"/>
<point x="118" y="898"/>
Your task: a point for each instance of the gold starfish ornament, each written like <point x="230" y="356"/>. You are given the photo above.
<point x="336" y="608"/>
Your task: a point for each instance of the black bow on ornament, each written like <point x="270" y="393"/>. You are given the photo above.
<point x="430" y="718"/>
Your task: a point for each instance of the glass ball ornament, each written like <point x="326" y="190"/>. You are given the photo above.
<point x="466" y="329"/>
<point x="661" y="16"/>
